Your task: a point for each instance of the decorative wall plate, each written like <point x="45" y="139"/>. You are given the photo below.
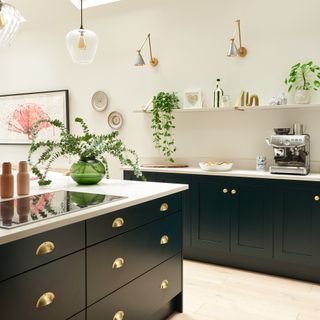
<point x="100" y="101"/>
<point x="115" y="120"/>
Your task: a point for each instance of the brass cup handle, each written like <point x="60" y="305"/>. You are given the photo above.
<point x="317" y="198"/>
<point x="164" y="207"/>
<point x="164" y="240"/>
<point x="45" y="300"/>
<point x="45" y="248"/>
<point x="119" y="316"/>
<point x="164" y="285"/>
<point x="225" y="190"/>
<point x="234" y="191"/>
<point x="118" y="263"/>
<point x="118" y="223"/>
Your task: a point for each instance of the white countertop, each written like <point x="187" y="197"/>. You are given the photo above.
<point x="233" y="173"/>
<point x="134" y="191"/>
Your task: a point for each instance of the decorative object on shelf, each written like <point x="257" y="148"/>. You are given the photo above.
<point x="23" y="179"/>
<point x="192" y="99"/>
<point x="215" y="166"/>
<point x="261" y="163"/>
<point x="280" y="100"/>
<point x="303" y="78"/>
<point x="225" y="101"/>
<point x="140" y="61"/>
<point x="162" y="123"/>
<point x="217" y="96"/>
<point x="10" y="19"/>
<point x="21" y="111"/>
<point x="115" y="120"/>
<point x="82" y="43"/>
<point x="100" y="101"/>
<point x="233" y="50"/>
<point x="245" y="100"/>
<point x="89" y="147"/>
<point x="7" y="181"/>
<point x="148" y="105"/>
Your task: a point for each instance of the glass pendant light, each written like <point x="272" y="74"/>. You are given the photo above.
<point x="10" y="19"/>
<point x="82" y="44"/>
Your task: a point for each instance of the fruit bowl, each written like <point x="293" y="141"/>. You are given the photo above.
<point x="216" y="166"/>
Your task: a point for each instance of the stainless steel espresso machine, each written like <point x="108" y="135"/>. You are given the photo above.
<point x="291" y="151"/>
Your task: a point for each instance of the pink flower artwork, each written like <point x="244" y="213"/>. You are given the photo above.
<point x="24" y="117"/>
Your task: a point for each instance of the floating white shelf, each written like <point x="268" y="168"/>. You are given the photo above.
<point x="240" y="109"/>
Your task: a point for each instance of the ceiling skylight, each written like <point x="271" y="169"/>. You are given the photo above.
<point x="91" y="3"/>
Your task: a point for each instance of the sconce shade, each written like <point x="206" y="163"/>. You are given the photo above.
<point x="10" y="19"/>
<point x="82" y="45"/>
<point x="140" y="61"/>
<point x="233" y="50"/>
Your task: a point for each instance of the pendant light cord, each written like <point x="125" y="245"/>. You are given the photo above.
<point x="81" y="27"/>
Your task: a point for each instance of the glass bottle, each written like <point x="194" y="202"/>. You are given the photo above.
<point x="217" y="96"/>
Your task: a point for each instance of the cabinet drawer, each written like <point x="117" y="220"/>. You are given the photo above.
<point x="141" y="298"/>
<point x="52" y="292"/>
<point x="113" y="224"/>
<point x="22" y="255"/>
<point x="113" y="263"/>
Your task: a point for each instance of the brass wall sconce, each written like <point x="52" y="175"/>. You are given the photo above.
<point x="233" y="50"/>
<point x="140" y="61"/>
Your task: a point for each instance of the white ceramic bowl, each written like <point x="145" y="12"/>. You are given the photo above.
<point x="224" y="166"/>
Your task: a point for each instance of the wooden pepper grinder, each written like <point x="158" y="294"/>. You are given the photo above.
<point x="7" y="182"/>
<point x="23" y="179"/>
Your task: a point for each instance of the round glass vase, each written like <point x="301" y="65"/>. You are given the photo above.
<point x="87" y="171"/>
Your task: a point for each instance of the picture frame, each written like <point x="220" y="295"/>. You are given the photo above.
<point x="193" y="99"/>
<point x="18" y="113"/>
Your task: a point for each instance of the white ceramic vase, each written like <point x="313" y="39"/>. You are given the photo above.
<point x="302" y="96"/>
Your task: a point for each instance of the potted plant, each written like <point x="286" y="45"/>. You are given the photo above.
<point x="92" y="166"/>
<point x="304" y="78"/>
<point x="162" y="123"/>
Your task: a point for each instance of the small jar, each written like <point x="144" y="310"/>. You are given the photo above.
<point x="23" y="179"/>
<point x="7" y="181"/>
<point x="261" y="163"/>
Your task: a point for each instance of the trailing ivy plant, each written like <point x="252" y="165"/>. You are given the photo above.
<point x="88" y="146"/>
<point x="304" y="77"/>
<point x="162" y="123"/>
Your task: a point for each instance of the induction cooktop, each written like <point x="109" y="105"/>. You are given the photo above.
<point x="19" y="212"/>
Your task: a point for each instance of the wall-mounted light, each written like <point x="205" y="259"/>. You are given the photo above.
<point x="233" y="50"/>
<point x="10" y="19"/>
<point x="82" y="43"/>
<point x="140" y="61"/>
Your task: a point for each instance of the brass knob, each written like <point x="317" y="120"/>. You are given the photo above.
<point x="234" y="191"/>
<point x="225" y="190"/>
<point x="164" y="207"/>
<point x="119" y="316"/>
<point x="164" y="240"/>
<point x="118" y="263"/>
<point x="45" y="248"/>
<point x="164" y="285"/>
<point x="317" y="198"/>
<point x="118" y="223"/>
<point x="46" y="299"/>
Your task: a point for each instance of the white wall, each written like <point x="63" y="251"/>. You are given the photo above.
<point x="190" y="39"/>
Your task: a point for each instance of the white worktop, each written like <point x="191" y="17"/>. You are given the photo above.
<point x="234" y="173"/>
<point x="134" y="191"/>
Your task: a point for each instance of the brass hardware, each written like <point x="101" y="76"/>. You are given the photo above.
<point x="317" y="198"/>
<point x="225" y="190"/>
<point x="119" y="316"/>
<point x="118" y="223"/>
<point x="45" y="300"/>
<point x="118" y="263"/>
<point x="164" y="207"/>
<point x="254" y="100"/>
<point x="45" y="248"/>
<point x="233" y="191"/>
<point x="164" y="240"/>
<point x="164" y="285"/>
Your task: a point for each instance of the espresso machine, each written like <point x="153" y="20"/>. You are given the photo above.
<point x="291" y="151"/>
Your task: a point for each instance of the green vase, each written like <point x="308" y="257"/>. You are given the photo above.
<point x="88" y="172"/>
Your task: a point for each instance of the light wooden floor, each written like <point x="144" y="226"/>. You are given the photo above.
<point x="218" y="293"/>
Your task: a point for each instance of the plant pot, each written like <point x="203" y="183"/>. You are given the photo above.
<point x="88" y="172"/>
<point x="302" y="96"/>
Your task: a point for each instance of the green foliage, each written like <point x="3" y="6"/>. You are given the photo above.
<point x="162" y="123"/>
<point x="304" y="77"/>
<point x="87" y="146"/>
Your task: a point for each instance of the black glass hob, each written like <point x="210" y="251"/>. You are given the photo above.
<point x="19" y="212"/>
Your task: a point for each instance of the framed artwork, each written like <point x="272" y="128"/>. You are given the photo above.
<point x="19" y="112"/>
<point x="192" y="99"/>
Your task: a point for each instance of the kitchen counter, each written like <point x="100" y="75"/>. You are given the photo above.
<point x="233" y="173"/>
<point x="135" y="193"/>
